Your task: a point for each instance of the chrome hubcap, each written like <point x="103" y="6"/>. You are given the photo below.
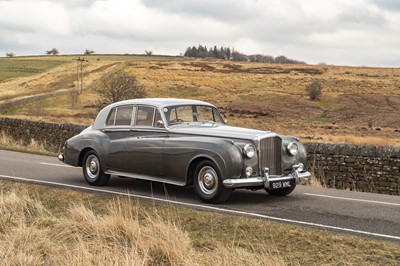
<point x="208" y="180"/>
<point x="92" y="167"/>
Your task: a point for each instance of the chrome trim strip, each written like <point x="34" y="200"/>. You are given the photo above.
<point x="145" y="177"/>
<point x="264" y="135"/>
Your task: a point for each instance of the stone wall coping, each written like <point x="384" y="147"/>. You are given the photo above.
<point x="353" y="150"/>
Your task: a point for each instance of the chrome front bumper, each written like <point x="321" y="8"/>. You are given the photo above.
<point x="265" y="180"/>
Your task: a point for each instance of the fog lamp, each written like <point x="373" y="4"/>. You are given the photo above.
<point x="248" y="171"/>
<point x="301" y="167"/>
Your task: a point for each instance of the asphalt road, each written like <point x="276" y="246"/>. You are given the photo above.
<point x="365" y="214"/>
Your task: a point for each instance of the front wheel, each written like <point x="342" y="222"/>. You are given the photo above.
<point x="93" y="171"/>
<point x="282" y="191"/>
<point x="208" y="183"/>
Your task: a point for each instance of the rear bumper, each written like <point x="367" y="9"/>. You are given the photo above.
<point x="266" y="179"/>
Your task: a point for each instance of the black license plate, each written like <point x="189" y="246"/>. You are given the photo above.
<point x="279" y="184"/>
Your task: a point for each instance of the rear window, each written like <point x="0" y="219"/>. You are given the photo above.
<point x="124" y="116"/>
<point x="111" y="117"/>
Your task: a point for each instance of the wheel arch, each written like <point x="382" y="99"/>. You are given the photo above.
<point x="82" y="155"/>
<point x="198" y="159"/>
<point x="88" y="146"/>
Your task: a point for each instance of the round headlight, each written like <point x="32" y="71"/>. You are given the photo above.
<point x="292" y="148"/>
<point x="249" y="151"/>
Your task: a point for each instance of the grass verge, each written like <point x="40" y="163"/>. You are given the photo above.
<point x="8" y="143"/>
<point x="52" y="226"/>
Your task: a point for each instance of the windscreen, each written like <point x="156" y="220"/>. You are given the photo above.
<point x="191" y="114"/>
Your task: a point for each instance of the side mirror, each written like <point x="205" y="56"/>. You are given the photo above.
<point x="160" y="123"/>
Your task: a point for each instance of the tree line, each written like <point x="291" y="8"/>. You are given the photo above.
<point x="55" y="51"/>
<point x="230" y="54"/>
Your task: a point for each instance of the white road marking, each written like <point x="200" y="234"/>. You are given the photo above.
<point x="352" y="199"/>
<point x="59" y="165"/>
<point x="206" y="207"/>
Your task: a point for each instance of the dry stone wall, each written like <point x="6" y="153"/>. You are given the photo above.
<point x="354" y="167"/>
<point x="365" y="168"/>
<point x="51" y="135"/>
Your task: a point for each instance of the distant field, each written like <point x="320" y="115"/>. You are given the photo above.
<point x="358" y="104"/>
<point x="12" y="68"/>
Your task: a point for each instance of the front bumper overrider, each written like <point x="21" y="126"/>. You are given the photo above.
<point x="266" y="179"/>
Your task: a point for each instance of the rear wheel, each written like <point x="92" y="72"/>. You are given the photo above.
<point x="282" y="191"/>
<point x="93" y="171"/>
<point x="208" y="183"/>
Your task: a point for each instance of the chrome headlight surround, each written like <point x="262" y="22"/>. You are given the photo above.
<point x="292" y="148"/>
<point x="249" y="150"/>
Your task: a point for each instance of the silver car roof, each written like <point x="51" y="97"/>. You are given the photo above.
<point x="160" y="102"/>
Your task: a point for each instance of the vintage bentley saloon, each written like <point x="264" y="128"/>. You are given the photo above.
<point x="185" y="142"/>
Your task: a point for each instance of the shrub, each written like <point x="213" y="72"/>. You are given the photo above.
<point x="314" y="90"/>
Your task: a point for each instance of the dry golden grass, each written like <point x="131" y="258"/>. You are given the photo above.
<point x="7" y="142"/>
<point x="31" y="235"/>
<point x="49" y="226"/>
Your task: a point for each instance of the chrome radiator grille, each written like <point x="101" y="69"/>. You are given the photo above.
<point x="271" y="155"/>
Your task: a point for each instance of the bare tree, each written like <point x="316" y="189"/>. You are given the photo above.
<point x="53" y="51"/>
<point x="118" y="87"/>
<point x="148" y="52"/>
<point x="239" y="56"/>
<point x="10" y="54"/>
<point x="314" y="90"/>
<point x="88" y="52"/>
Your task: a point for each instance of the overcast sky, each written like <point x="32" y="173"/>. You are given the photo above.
<point x="340" y="32"/>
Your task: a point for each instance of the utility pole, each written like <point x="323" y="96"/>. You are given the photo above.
<point x="79" y="73"/>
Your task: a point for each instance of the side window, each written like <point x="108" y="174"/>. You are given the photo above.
<point x="111" y="117"/>
<point x="205" y="113"/>
<point x="124" y="116"/>
<point x="145" y="116"/>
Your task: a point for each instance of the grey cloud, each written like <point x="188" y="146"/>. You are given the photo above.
<point x="295" y="27"/>
<point x="70" y="3"/>
<point x="223" y="10"/>
<point x="390" y="5"/>
<point x="361" y="18"/>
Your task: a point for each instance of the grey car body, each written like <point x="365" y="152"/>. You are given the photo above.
<point x="185" y="142"/>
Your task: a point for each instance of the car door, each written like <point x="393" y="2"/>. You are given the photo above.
<point x="145" y="143"/>
<point x="118" y="125"/>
